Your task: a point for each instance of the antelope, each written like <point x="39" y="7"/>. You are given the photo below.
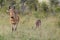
<point x="38" y="23"/>
<point x="14" y="18"/>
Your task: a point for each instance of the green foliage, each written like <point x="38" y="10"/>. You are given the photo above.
<point x="44" y="7"/>
<point x="32" y="3"/>
<point x="40" y="15"/>
<point x="53" y="5"/>
<point x="53" y="2"/>
<point x="58" y="23"/>
<point x="1" y="2"/>
<point x="57" y="9"/>
<point x="1" y="37"/>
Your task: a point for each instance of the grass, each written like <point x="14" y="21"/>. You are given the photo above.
<point x="48" y="30"/>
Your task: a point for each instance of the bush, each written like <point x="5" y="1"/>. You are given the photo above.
<point x="40" y="15"/>
<point x="44" y="7"/>
<point x="1" y="37"/>
<point x="57" y="9"/>
<point x="59" y="23"/>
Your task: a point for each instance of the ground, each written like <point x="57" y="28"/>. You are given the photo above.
<point x="49" y="30"/>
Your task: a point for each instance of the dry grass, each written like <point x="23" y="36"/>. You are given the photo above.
<point x="26" y="29"/>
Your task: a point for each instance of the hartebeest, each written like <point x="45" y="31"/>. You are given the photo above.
<point x="14" y="18"/>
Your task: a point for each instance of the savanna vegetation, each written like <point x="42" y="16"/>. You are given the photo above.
<point x="29" y="12"/>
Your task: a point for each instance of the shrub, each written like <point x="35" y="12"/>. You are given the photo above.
<point x="1" y="37"/>
<point x="57" y="9"/>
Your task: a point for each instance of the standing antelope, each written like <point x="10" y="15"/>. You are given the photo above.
<point x="14" y="18"/>
<point x="38" y="23"/>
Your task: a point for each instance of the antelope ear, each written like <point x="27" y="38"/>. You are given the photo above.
<point x="9" y="7"/>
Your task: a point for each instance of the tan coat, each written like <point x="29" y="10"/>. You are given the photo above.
<point x="14" y="18"/>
